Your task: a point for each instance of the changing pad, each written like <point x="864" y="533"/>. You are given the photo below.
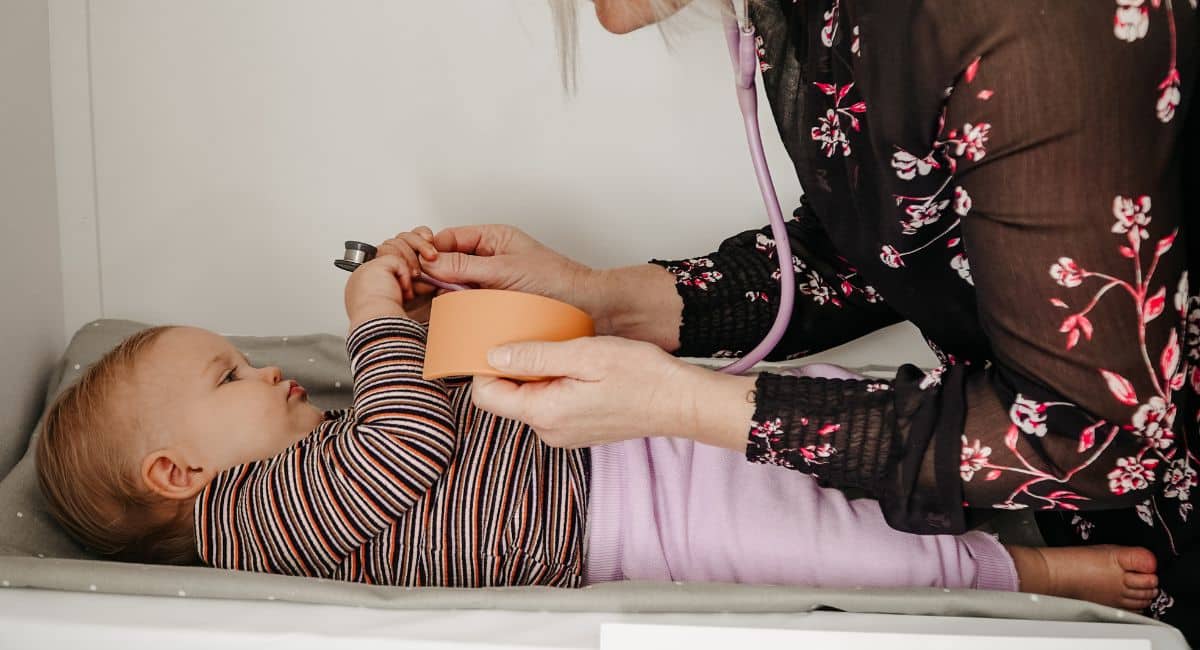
<point x="35" y="553"/>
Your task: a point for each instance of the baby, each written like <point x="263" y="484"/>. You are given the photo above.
<point x="173" y="448"/>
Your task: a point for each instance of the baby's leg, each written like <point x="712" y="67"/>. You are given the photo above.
<point x="717" y="518"/>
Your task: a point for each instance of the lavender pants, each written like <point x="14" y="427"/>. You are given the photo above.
<point x="673" y="509"/>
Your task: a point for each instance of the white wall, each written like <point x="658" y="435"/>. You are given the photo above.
<point x="237" y="143"/>
<point x="31" y="325"/>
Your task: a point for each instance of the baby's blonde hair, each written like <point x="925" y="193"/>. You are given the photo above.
<point x="90" y="477"/>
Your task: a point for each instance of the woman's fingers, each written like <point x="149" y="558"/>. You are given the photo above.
<point x="486" y="240"/>
<point x="419" y="244"/>
<point x="461" y="268"/>
<point x="577" y="359"/>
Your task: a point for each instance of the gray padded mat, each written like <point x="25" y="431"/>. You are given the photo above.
<point x="34" y="552"/>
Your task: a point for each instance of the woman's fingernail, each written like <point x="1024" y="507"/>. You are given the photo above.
<point x="499" y="357"/>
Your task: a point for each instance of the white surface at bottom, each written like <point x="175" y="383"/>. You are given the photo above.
<point x="693" y="637"/>
<point x="33" y="618"/>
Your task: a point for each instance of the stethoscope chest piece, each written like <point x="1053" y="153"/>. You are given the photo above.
<point x="357" y="253"/>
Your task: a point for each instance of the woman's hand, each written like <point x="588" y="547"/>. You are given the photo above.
<point x="504" y="257"/>
<point x="608" y="389"/>
<point x="638" y="302"/>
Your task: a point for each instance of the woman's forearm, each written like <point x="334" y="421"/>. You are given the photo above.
<point x="635" y="302"/>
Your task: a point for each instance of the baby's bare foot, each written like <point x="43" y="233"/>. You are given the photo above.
<point x="1117" y="576"/>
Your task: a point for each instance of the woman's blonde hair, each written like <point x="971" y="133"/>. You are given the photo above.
<point x="89" y="477"/>
<point x="566" y="33"/>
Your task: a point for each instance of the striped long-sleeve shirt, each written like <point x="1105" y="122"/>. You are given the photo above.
<point x="411" y="486"/>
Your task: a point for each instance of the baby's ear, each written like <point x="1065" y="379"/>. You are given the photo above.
<point x="166" y="473"/>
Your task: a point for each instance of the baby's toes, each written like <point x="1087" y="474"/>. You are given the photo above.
<point x="1140" y="581"/>
<point x="1140" y="594"/>
<point x="1137" y="559"/>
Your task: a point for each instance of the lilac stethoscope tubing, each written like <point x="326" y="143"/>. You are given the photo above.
<point x="744" y="55"/>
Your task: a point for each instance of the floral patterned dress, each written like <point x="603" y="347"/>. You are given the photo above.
<point x="1015" y="179"/>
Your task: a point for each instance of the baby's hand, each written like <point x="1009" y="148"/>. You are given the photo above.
<point x="374" y="290"/>
<point x="412" y="247"/>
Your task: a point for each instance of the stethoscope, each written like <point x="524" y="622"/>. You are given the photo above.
<point x="740" y="36"/>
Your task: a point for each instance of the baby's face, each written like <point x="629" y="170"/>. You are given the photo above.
<point x="206" y="401"/>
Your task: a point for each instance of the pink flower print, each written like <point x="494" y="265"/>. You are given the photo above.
<point x="1131" y="475"/>
<point x="1180" y="479"/>
<point x="1083" y="527"/>
<point x="962" y="201"/>
<point x="1132" y="215"/>
<point x="974" y="458"/>
<point x="770" y="431"/>
<point x="923" y="214"/>
<point x="908" y="166"/>
<point x="830" y="134"/>
<point x="1132" y="20"/>
<point x="890" y="256"/>
<point x="932" y="378"/>
<point x="1192" y="335"/>
<point x="760" y="47"/>
<point x="702" y="280"/>
<point x="1120" y="387"/>
<point x="1028" y="416"/>
<point x="798" y="266"/>
<point x="872" y="295"/>
<point x="855" y="47"/>
<point x="764" y="244"/>
<point x="961" y="264"/>
<point x="816" y="288"/>
<point x="1143" y="513"/>
<point x="813" y="454"/>
<point x="1162" y="602"/>
<point x="1168" y="99"/>
<point x="765" y="436"/>
<point x="688" y="273"/>
<point x="1073" y="326"/>
<point x="829" y="29"/>
<point x="1066" y="272"/>
<point x="1153" y="421"/>
<point x="974" y="137"/>
<point x="756" y="296"/>
<point x="1181" y="295"/>
<point x="1168" y="362"/>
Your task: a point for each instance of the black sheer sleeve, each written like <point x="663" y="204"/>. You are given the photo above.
<point x="730" y="297"/>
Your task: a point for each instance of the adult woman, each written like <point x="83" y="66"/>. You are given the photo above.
<point x="1007" y="176"/>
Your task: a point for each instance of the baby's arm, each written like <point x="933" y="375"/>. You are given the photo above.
<point x="304" y="511"/>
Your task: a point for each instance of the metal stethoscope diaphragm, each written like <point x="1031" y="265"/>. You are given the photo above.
<point x="357" y="253"/>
